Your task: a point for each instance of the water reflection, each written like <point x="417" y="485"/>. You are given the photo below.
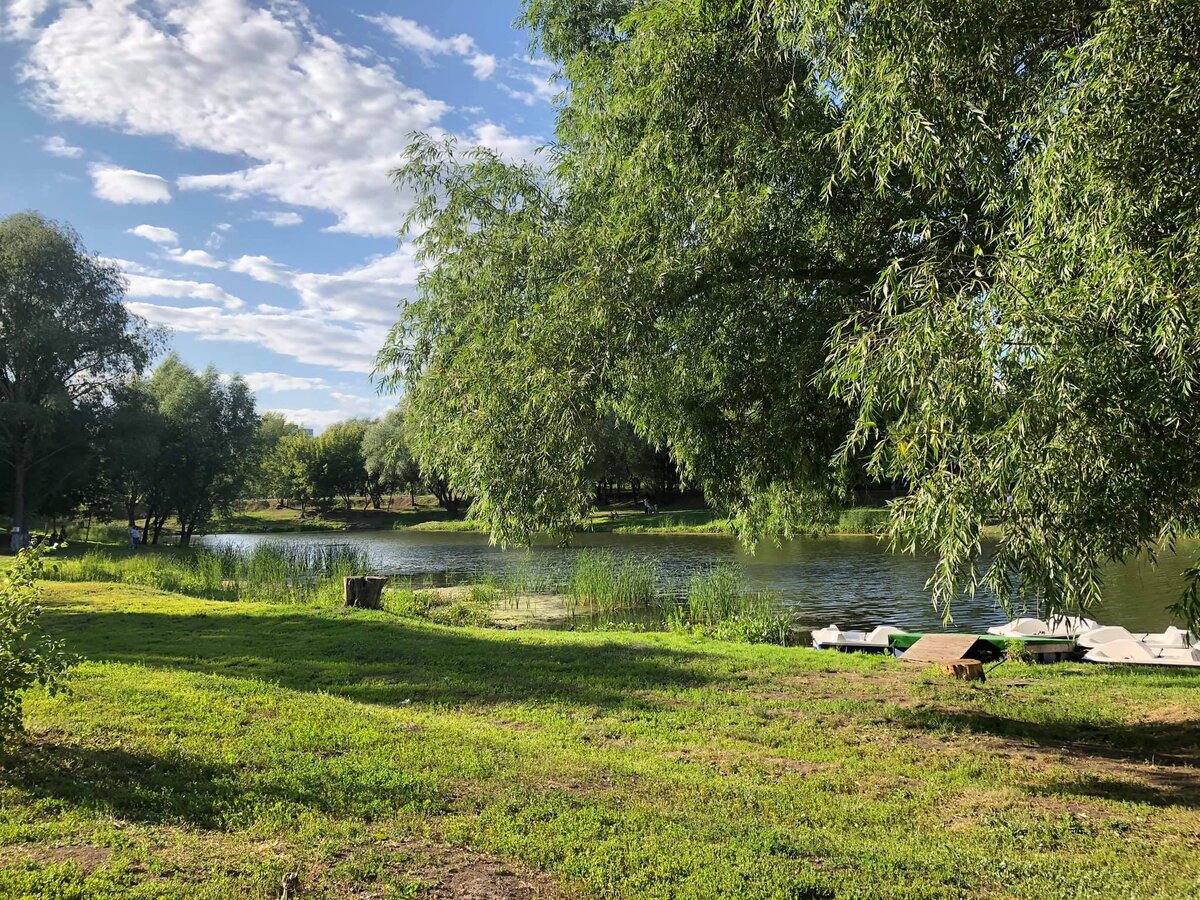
<point x="853" y="581"/>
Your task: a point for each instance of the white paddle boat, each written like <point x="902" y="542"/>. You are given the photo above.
<point x="1126" y="651"/>
<point x="1056" y="627"/>
<point x="833" y="638"/>
<point x="1173" y="637"/>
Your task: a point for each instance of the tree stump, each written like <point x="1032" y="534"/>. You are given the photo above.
<point x="963" y="669"/>
<point x="364" y="591"/>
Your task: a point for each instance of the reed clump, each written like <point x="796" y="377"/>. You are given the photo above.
<point x="599" y="583"/>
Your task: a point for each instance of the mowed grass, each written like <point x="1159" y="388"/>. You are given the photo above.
<point x="208" y="749"/>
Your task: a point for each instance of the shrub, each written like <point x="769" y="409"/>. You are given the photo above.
<point x="28" y="656"/>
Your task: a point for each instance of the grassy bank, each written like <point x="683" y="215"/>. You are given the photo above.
<point x="857" y="520"/>
<point x="279" y="573"/>
<point x="209" y="749"/>
<point x="264" y="517"/>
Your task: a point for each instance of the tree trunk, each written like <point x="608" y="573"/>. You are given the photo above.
<point x="364" y="591"/>
<point x="412" y="497"/>
<point x="20" y="533"/>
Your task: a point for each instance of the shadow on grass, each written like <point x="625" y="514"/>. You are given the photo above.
<point x="1144" y="762"/>
<point x="174" y="788"/>
<point x="386" y="661"/>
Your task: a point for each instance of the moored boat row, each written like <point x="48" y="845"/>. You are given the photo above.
<point x="1048" y="640"/>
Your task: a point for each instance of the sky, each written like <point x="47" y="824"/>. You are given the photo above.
<point x="232" y="157"/>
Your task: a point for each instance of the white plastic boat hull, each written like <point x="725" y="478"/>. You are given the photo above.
<point x="1066" y="627"/>
<point x="1128" y="652"/>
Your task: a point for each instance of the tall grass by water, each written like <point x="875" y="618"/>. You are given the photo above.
<point x="719" y="605"/>
<point x="601" y="584"/>
<point x="277" y="573"/>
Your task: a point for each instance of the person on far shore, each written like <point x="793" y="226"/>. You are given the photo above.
<point x="133" y="537"/>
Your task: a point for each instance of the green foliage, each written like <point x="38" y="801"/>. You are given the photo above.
<point x="863" y="520"/>
<point x="66" y="340"/>
<point x="389" y="463"/>
<point x="951" y="243"/>
<point x="28" y="655"/>
<point x="474" y="609"/>
<point x="340" y="467"/>
<point x="207" y="450"/>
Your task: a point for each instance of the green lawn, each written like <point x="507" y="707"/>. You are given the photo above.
<point x="210" y="748"/>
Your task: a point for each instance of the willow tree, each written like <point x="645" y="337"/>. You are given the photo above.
<point x="955" y="241"/>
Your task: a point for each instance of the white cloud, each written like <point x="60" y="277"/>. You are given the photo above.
<point x="58" y="146"/>
<point x="322" y="127"/>
<point x="153" y="287"/>
<point x="262" y="268"/>
<point x="294" y="333"/>
<point x="539" y="77"/>
<point x="367" y="293"/>
<point x="164" y="236"/>
<point x="275" y="382"/>
<point x="514" y="148"/>
<point x="22" y="14"/>
<point x="483" y="65"/>
<point x="280" y="219"/>
<point x="200" y="258"/>
<point x="417" y="37"/>
<point x="129" y="267"/>
<point x="316" y="419"/>
<point x="117" y="185"/>
<point x="341" y="321"/>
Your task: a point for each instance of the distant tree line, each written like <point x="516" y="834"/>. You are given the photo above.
<point x="87" y="426"/>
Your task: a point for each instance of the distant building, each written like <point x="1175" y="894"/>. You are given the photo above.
<point x="306" y="430"/>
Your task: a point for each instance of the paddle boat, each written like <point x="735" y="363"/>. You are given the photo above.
<point x="1055" y="627"/>
<point x="1126" y="651"/>
<point x="875" y="640"/>
<point x="1175" y="638"/>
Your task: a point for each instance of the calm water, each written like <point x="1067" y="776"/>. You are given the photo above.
<point x="852" y="581"/>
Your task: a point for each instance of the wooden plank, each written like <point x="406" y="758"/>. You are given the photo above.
<point x="937" y="648"/>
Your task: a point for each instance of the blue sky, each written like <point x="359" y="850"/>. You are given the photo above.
<point x="232" y="155"/>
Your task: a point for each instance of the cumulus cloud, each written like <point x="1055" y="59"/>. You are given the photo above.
<point x="148" y="286"/>
<point x="414" y="36"/>
<point x="322" y="124"/>
<point x="321" y="121"/>
<point x="296" y="334"/>
<point x="510" y="146"/>
<point x="164" y="236"/>
<point x="280" y="219"/>
<point x="341" y="319"/>
<point x="201" y="258"/>
<point x="276" y="382"/>
<point x="117" y="185"/>
<point x="58" y="146"/>
<point x="263" y="268"/>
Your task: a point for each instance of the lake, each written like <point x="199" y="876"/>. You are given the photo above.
<point x="850" y="580"/>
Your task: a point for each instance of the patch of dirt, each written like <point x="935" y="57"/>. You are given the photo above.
<point x="86" y="856"/>
<point x="458" y="873"/>
<point x="729" y="762"/>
